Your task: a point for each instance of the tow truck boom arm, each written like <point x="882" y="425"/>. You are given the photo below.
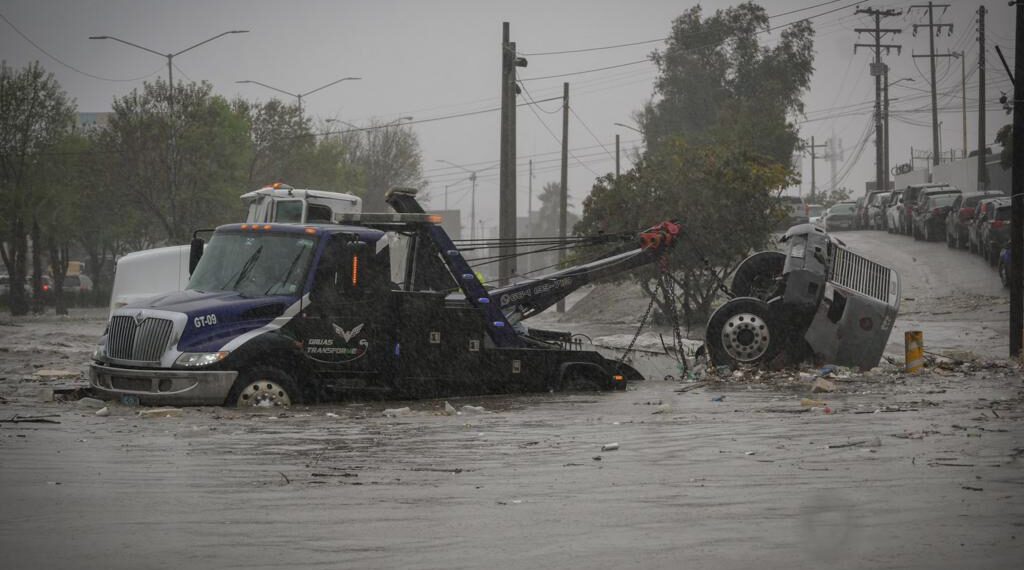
<point x="535" y="295"/>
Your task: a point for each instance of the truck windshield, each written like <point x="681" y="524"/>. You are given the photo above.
<point x="254" y="265"/>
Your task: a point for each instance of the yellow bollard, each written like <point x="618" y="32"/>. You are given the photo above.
<point x="914" y="341"/>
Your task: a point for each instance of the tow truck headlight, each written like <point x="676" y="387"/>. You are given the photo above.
<point x="194" y="359"/>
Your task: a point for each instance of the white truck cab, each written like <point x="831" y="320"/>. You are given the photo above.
<point x="143" y="274"/>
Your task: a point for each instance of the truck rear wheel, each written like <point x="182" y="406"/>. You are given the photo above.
<point x="263" y="387"/>
<point x="742" y="332"/>
<point x="758" y="275"/>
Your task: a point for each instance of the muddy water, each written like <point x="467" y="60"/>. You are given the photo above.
<point x="699" y="484"/>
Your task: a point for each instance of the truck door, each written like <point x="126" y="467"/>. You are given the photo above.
<point x="346" y="329"/>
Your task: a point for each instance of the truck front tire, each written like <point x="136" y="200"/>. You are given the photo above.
<point x="742" y="332"/>
<point x="263" y="386"/>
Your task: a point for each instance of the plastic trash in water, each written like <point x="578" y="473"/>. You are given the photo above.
<point x="610" y="447"/>
<point x="395" y="412"/>
<point x="130" y="400"/>
<point x="718" y="399"/>
<point x="827" y="370"/>
<point x="474" y="410"/>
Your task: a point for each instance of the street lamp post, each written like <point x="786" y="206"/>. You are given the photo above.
<point x="885" y="117"/>
<point x="472" y="202"/>
<point x="170" y="56"/>
<point x="625" y="126"/>
<point x="299" y="96"/>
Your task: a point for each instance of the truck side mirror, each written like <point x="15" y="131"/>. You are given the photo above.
<point x="195" y="252"/>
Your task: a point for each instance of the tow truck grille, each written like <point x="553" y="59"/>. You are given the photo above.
<point x="859" y="274"/>
<point x="143" y="342"/>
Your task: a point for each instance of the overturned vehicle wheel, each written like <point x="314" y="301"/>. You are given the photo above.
<point x="758" y="276"/>
<point x="742" y="332"/>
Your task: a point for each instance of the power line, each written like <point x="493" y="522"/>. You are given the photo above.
<point x="582" y="122"/>
<point x="656" y="40"/>
<point x="68" y="65"/>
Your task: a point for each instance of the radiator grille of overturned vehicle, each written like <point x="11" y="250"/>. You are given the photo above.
<point x="862" y="275"/>
<point x="142" y="341"/>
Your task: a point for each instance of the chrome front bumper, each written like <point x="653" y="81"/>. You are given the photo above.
<point x="162" y="386"/>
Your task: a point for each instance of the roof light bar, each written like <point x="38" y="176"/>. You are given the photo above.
<point x="384" y="218"/>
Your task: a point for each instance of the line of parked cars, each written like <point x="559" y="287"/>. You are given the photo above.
<point x="975" y="221"/>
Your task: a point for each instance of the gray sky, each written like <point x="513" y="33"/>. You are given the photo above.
<point x="431" y="59"/>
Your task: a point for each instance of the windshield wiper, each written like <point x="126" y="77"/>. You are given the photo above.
<point x="247" y="267"/>
<point x="284" y="279"/>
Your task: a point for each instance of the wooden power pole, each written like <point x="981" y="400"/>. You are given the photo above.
<point x="982" y="142"/>
<point x="1017" y="199"/>
<point x="878" y="70"/>
<point x="933" y="30"/>
<point x="507" y="183"/>
<point x="563" y="202"/>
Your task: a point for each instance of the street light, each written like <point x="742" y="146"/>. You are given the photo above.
<point x="885" y="118"/>
<point x="170" y="56"/>
<point x="299" y="96"/>
<point x="472" y="202"/>
<point x="628" y="127"/>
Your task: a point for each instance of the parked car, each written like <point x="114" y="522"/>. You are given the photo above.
<point x="5" y="288"/>
<point x="984" y="210"/>
<point x="921" y="211"/>
<point x="865" y="220"/>
<point x="876" y="210"/>
<point x="960" y="215"/>
<point x="814" y="213"/>
<point x="77" y="289"/>
<point x="930" y="214"/>
<point x="995" y="231"/>
<point x="796" y="212"/>
<point x="910" y="195"/>
<point x="894" y="212"/>
<point x="841" y="216"/>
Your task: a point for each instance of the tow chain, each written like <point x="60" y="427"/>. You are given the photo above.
<point x="667" y="287"/>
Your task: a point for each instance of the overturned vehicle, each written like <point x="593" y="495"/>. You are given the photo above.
<point x="816" y="299"/>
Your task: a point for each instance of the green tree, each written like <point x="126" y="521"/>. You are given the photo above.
<point x="718" y="194"/>
<point x="180" y="162"/>
<point x="35" y="114"/>
<point x="718" y="84"/>
<point x="1004" y="136"/>
<point x="719" y="142"/>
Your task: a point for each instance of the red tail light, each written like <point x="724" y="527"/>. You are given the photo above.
<point x="46" y="287"/>
<point x="937" y="211"/>
<point x="966" y="214"/>
<point x="998" y="224"/>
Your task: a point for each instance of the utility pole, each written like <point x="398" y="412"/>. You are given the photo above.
<point x="982" y="143"/>
<point x="963" y="93"/>
<point x="529" y="203"/>
<point x="835" y="154"/>
<point x="507" y="184"/>
<point x="814" y="158"/>
<point x="616" y="157"/>
<point x="933" y="30"/>
<point x="564" y="194"/>
<point x="885" y="127"/>
<point x="878" y="69"/>
<point x="1017" y="200"/>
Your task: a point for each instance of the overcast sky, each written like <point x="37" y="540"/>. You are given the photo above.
<point x="430" y="59"/>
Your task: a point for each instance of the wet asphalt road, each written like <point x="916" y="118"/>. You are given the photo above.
<point x="953" y="296"/>
<point x="696" y="483"/>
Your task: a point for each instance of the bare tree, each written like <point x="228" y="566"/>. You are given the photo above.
<point x="389" y="156"/>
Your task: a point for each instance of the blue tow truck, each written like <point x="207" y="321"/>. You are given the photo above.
<point x="276" y="314"/>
